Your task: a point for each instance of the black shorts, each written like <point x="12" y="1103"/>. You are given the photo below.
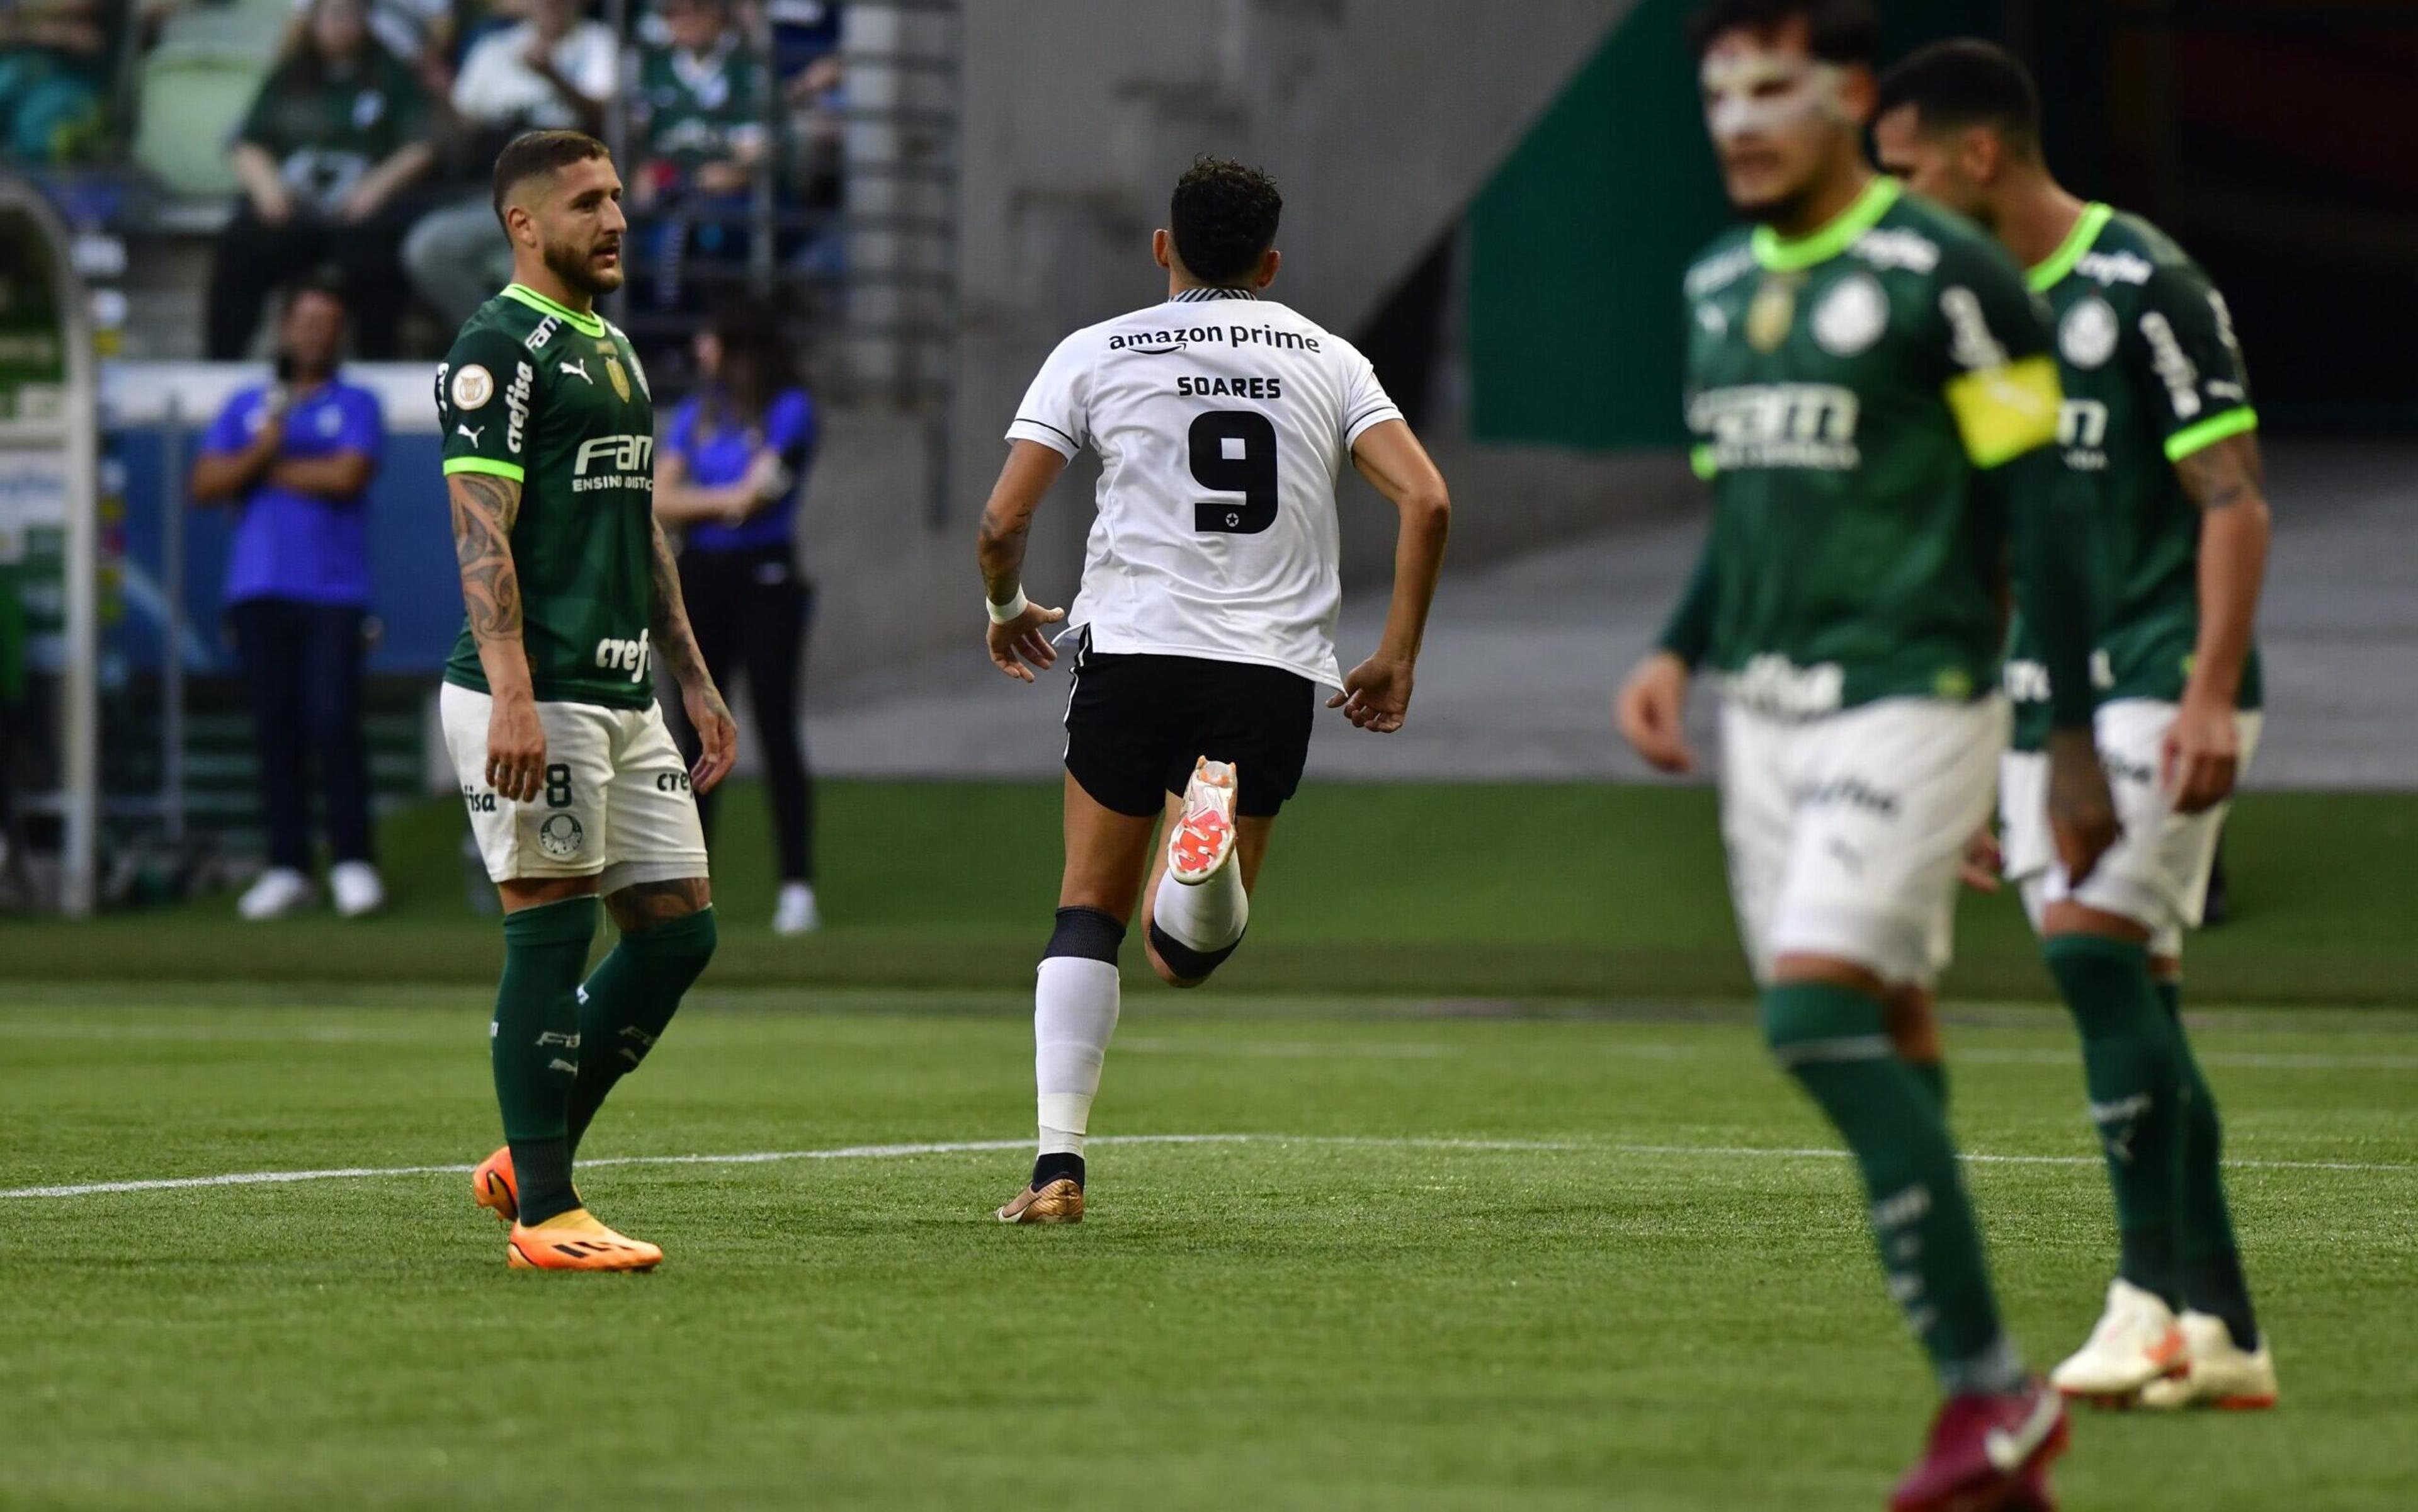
<point x="1135" y="724"/>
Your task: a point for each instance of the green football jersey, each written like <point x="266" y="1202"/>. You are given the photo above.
<point x="556" y="400"/>
<point x="1849" y="391"/>
<point x="2151" y="374"/>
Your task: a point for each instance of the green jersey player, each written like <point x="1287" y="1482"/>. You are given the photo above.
<point x="2157" y="419"/>
<point x="1870" y="388"/>
<point x="574" y="785"/>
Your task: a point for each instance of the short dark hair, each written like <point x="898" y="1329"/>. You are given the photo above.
<point x="1223" y="216"/>
<point x="320" y="283"/>
<point x="541" y="152"/>
<point x="1966" y="83"/>
<point x="1836" y="31"/>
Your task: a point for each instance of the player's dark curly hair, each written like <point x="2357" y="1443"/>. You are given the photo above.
<point x="1837" y="31"/>
<point x="1222" y="216"/>
<point x="1967" y="82"/>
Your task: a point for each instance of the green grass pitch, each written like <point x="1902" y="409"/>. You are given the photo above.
<point x="1457" y="1256"/>
<point x="1506" y="1209"/>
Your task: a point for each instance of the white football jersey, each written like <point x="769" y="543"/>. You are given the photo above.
<point x="1221" y="421"/>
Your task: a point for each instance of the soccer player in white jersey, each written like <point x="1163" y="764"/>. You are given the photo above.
<point x="1206" y="617"/>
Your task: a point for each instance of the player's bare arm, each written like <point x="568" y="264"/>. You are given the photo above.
<point x="1018" y="639"/>
<point x="2050" y="516"/>
<point x="1651" y="706"/>
<point x="717" y="734"/>
<point x="2202" y="751"/>
<point x="1377" y="693"/>
<point x="483" y="508"/>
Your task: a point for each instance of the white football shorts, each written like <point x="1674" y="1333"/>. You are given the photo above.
<point x="2157" y="872"/>
<point x="615" y="805"/>
<point x="1846" y="832"/>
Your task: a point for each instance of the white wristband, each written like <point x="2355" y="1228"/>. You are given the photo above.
<point x="1001" y="614"/>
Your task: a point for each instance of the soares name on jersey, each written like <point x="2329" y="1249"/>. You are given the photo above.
<point x="1848" y="392"/>
<point x="576" y="431"/>
<point x="2152" y="374"/>
<point x="1220" y="435"/>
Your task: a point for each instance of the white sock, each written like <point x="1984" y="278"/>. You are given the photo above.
<point x="1208" y="917"/>
<point x="1074" y="1013"/>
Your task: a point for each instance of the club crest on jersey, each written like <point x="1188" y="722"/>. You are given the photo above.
<point x="2087" y="336"/>
<point x="621" y="379"/>
<point x="1851" y="317"/>
<point x="1770" y="314"/>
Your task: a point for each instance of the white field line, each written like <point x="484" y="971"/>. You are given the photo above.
<point x="895" y="1152"/>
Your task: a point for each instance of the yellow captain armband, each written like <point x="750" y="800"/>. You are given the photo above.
<point x="2003" y="412"/>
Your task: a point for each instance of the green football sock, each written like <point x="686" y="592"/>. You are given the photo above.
<point x="2208" y="1261"/>
<point x="629" y="1001"/>
<point x="1934" y="1077"/>
<point x="533" y="1046"/>
<point x="1830" y="1039"/>
<point x="2134" y="1068"/>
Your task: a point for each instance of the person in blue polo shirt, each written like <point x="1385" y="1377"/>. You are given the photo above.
<point x="729" y="475"/>
<point x="294" y="456"/>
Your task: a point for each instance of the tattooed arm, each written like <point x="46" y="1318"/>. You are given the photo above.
<point x="676" y="644"/>
<point x="2228" y="481"/>
<point x="484" y="507"/>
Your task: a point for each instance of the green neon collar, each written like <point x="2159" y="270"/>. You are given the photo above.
<point x="2045" y="276"/>
<point x="590" y="324"/>
<point x="1780" y="254"/>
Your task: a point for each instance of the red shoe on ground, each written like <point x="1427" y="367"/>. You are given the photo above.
<point x="1989" y="1453"/>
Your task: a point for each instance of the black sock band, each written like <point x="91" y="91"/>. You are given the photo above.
<point x="1085" y="932"/>
<point x="1050" y="1168"/>
<point x="542" y="1178"/>
<point x="1180" y="958"/>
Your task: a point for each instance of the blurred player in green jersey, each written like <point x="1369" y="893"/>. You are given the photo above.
<point x="2157" y="419"/>
<point x="574" y="785"/>
<point x="1874" y="405"/>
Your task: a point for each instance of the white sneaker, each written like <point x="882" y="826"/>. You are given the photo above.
<point x="280" y="891"/>
<point x="796" y="913"/>
<point x="357" y="887"/>
<point x="2215" y="1371"/>
<point x="2136" y="1343"/>
<point x="1202" y="841"/>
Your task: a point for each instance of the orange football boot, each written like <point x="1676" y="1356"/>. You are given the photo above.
<point x="492" y="1185"/>
<point x="574" y="1241"/>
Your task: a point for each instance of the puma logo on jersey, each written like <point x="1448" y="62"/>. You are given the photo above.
<point x="471" y="434"/>
<point x="580" y="367"/>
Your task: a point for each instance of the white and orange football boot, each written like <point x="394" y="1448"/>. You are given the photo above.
<point x="574" y="1241"/>
<point x="1202" y="841"/>
<point x="2216" y="1372"/>
<point x="2136" y="1341"/>
<point x="493" y="1188"/>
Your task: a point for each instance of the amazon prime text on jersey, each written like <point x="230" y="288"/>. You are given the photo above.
<point x="1807" y="425"/>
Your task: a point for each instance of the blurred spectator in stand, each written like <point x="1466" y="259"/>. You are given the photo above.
<point x="12" y="694"/>
<point x="729" y="474"/>
<point x="701" y="133"/>
<point x="296" y="456"/>
<point x="336" y="136"/>
<point x="56" y="62"/>
<point x="552" y="70"/>
<point x="419" y="33"/>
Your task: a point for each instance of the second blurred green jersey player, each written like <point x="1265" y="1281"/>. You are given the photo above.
<point x="1875" y="407"/>
<point x="2158" y="421"/>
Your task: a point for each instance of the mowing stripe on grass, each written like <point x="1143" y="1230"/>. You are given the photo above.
<point x="956" y="1147"/>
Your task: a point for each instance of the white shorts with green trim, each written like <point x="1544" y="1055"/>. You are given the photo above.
<point x="615" y="805"/>
<point x="1846" y="832"/>
<point x="2157" y="872"/>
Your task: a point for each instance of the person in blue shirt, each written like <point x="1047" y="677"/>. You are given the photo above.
<point x="295" y="457"/>
<point x="728" y="474"/>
